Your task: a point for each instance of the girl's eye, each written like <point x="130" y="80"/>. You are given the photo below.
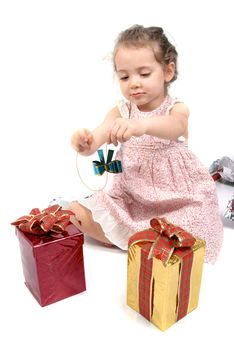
<point x="123" y="78"/>
<point x="145" y="74"/>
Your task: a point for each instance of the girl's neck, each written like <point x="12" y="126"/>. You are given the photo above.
<point x="153" y="106"/>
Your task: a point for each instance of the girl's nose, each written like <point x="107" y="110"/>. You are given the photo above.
<point x="134" y="82"/>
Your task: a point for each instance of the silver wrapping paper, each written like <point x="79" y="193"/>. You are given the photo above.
<point x="223" y="171"/>
<point x="229" y="212"/>
<point x="225" y="168"/>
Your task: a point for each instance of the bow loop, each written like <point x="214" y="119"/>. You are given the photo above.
<point x="179" y="236"/>
<point x="110" y="166"/>
<point x="165" y="237"/>
<point x="42" y="222"/>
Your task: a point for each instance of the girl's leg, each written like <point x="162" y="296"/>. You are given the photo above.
<point x="88" y="225"/>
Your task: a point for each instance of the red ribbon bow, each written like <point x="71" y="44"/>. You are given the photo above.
<point x="41" y="222"/>
<point x="165" y="238"/>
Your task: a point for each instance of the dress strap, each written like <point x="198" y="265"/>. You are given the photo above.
<point x="172" y="104"/>
<point x="124" y="108"/>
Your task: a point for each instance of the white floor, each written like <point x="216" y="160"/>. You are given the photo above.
<point x="99" y="317"/>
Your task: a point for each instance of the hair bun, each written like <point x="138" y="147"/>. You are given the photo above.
<point x="155" y="30"/>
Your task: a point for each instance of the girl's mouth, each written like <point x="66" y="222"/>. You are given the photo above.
<point x="137" y="94"/>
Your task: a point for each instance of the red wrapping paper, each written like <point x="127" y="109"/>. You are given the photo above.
<point x="53" y="265"/>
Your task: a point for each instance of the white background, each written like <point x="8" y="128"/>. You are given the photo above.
<point x="53" y="79"/>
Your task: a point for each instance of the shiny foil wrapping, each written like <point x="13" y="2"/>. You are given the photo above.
<point x="53" y="267"/>
<point x="165" y="283"/>
<point x="229" y="212"/>
<point x="223" y="170"/>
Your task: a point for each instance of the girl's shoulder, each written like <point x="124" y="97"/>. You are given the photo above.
<point x="171" y="102"/>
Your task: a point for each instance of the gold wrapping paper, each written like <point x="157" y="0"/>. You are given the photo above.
<point x="165" y="285"/>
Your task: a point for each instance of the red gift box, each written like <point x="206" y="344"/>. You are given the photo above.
<point x="53" y="264"/>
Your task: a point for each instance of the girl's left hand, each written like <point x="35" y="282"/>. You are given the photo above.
<point x="121" y="130"/>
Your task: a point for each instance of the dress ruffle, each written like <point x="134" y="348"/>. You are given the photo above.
<point x="110" y="226"/>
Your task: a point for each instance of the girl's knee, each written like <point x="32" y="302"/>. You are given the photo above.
<point x="92" y="229"/>
<point x="83" y="219"/>
<point x="83" y="216"/>
<point x="80" y="211"/>
<point x="74" y="206"/>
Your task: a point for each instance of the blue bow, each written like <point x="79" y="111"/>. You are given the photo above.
<point x="112" y="166"/>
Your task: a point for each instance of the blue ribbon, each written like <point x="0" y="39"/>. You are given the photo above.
<point x="112" y="166"/>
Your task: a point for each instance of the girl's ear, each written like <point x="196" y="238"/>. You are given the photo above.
<point x="169" y="71"/>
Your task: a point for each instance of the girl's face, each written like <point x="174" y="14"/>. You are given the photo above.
<point x="142" y="79"/>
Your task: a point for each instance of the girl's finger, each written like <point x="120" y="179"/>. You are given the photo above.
<point x="120" y="133"/>
<point x="113" y="133"/>
<point x="90" y="139"/>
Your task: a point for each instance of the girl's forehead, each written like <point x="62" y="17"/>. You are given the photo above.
<point x="133" y="50"/>
<point x="132" y="55"/>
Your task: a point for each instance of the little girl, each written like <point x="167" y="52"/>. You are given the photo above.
<point x="160" y="177"/>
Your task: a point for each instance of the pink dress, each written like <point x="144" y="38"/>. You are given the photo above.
<point x="160" y="178"/>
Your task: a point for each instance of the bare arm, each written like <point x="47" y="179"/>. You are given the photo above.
<point x="86" y="142"/>
<point x="170" y="126"/>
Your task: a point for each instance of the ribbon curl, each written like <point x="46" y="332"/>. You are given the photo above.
<point x="110" y="166"/>
<point x="42" y="222"/>
<point x="165" y="237"/>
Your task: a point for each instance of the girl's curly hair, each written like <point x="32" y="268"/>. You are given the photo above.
<point x="154" y="37"/>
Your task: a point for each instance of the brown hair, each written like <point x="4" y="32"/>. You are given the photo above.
<point x="154" y="37"/>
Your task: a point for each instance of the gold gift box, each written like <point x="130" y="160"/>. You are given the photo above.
<point x="166" y="282"/>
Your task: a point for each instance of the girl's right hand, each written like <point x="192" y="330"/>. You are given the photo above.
<point x="82" y="140"/>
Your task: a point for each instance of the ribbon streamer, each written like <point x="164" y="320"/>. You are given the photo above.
<point x="110" y="166"/>
<point x="43" y="222"/>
